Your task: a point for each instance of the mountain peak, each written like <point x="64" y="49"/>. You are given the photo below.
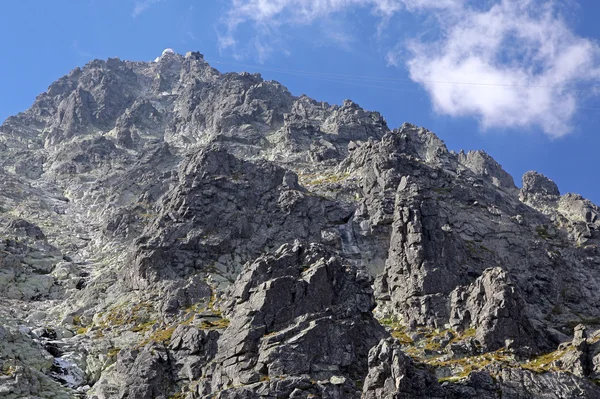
<point x="171" y="230"/>
<point x="166" y="52"/>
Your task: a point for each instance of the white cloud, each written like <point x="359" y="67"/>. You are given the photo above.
<point x="509" y="63"/>
<point x="516" y="64"/>
<point x="141" y="6"/>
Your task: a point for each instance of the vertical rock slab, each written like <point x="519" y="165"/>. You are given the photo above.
<point x="492" y="306"/>
<point x="393" y="375"/>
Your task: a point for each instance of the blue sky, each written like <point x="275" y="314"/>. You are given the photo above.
<point x="516" y="78"/>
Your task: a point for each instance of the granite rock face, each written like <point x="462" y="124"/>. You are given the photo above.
<point x="392" y="374"/>
<point x="447" y="224"/>
<point x="224" y="209"/>
<point x="492" y="306"/>
<point x="167" y="230"/>
<point x="536" y="183"/>
<point x="297" y="315"/>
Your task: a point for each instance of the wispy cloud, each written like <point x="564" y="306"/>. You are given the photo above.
<point x="508" y="63"/>
<point x="142" y="5"/>
<point x="81" y="53"/>
<point x="337" y="33"/>
<point x="186" y="26"/>
<point x="266" y="16"/>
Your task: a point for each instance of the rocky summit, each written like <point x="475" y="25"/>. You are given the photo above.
<point x="169" y="231"/>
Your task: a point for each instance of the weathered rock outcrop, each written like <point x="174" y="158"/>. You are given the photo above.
<point x="297" y="316"/>
<point x="224" y="211"/>
<point x="394" y="375"/>
<point x="481" y="164"/>
<point x="492" y="306"/>
<point x="449" y="224"/>
<point x="146" y="216"/>
<point x="535" y="183"/>
<point x="516" y="384"/>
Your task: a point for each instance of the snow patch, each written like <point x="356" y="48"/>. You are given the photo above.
<point x="165" y="52"/>
<point x="68" y="372"/>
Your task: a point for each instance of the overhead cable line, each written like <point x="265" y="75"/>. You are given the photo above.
<point x="363" y="81"/>
<point x="380" y="79"/>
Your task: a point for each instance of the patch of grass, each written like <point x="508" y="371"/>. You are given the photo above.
<point x="398" y="330"/>
<point x="545" y="363"/>
<point x="212" y="304"/>
<point x="359" y="384"/>
<point x="468" y="333"/>
<point x="432" y="346"/>
<point x="82" y="330"/>
<point x="484" y="248"/>
<point x="402" y="336"/>
<point x="432" y="343"/>
<point x="327" y="179"/>
<point x="542" y="231"/>
<point x="433" y="338"/>
<point x="159" y="336"/>
<point x="387" y="321"/>
<point x="434" y="333"/>
<point x="195" y="308"/>
<point x="203" y="306"/>
<point x="113" y="352"/>
<point x="78" y="323"/>
<point x="146" y="215"/>
<point x="442" y="190"/>
<point x="464" y="366"/>
<point x="270" y="334"/>
<point x="471" y="247"/>
<point x="135" y="316"/>
<point x="476" y="247"/>
<point x="593" y="321"/>
<point x="215" y="325"/>
<point x="594" y="340"/>
<point x="588" y="321"/>
<point x="451" y="378"/>
<point x="143" y="327"/>
<point x="9" y="370"/>
<point x="556" y="309"/>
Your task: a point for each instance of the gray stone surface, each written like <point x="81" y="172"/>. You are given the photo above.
<point x="299" y="313"/>
<point x="393" y="375"/>
<point x="492" y="306"/>
<point x="148" y="219"/>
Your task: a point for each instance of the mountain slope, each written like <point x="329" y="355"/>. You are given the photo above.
<point x="171" y="231"/>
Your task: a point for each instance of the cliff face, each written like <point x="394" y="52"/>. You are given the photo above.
<point x="171" y="231"/>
